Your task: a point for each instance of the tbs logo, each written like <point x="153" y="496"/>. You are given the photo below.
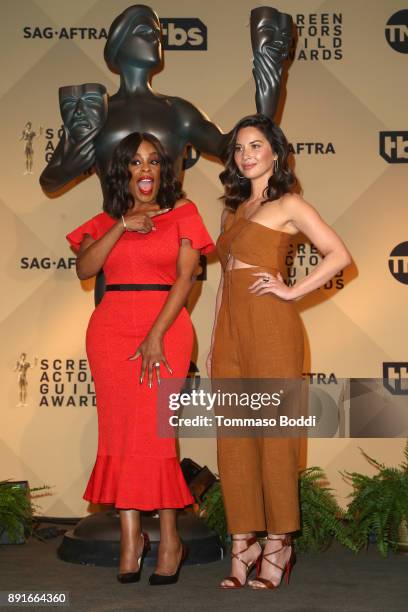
<point x="395" y="377"/>
<point x="394" y="147"/>
<point x="396" y="31"/>
<point x="184" y="34"/>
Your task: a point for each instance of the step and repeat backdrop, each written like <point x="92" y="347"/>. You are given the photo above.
<point x="345" y="116"/>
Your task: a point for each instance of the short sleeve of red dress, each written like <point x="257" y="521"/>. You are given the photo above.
<point x="191" y="226"/>
<point x="95" y="227"/>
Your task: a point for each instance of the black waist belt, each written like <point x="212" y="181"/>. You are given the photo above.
<point x="130" y="287"/>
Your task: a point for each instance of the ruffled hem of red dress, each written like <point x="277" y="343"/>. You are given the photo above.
<point x="140" y="482"/>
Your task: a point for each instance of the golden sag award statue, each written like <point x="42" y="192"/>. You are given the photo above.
<point x="28" y="136"/>
<point x="22" y="366"/>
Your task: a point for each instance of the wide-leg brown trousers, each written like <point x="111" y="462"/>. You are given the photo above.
<point x="257" y="337"/>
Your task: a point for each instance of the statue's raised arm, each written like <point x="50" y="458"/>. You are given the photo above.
<point x="271" y="38"/>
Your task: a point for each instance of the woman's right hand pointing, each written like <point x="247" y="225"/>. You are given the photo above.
<point x="140" y="220"/>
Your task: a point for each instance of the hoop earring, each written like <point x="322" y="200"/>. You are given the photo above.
<point x="275" y="165"/>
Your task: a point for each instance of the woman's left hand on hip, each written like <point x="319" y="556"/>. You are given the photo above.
<point x="268" y="283"/>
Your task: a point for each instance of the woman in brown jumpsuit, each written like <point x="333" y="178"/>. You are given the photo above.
<point x="258" y="334"/>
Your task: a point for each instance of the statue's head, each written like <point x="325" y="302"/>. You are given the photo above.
<point x="134" y="40"/>
<point x="28" y="125"/>
<point x="83" y="108"/>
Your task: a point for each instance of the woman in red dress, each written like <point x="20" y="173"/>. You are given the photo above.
<point x="148" y="241"/>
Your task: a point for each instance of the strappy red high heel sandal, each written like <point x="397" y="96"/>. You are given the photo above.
<point x="236" y="584"/>
<point x="286" y="570"/>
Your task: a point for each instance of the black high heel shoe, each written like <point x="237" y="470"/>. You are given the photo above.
<point x="159" y="579"/>
<point x="127" y="577"/>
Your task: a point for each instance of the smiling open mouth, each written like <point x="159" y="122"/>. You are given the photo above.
<point x="145" y="185"/>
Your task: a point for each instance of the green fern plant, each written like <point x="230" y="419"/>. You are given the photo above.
<point x="16" y="510"/>
<point x="379" y="504"/>
<point x="212" y="511"/>
<point x="321" y="516"/>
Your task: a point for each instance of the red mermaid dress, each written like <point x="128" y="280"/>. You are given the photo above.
<point x="135" y="468"/>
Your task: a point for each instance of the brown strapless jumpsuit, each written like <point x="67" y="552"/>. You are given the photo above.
<point x="257" y="337"/>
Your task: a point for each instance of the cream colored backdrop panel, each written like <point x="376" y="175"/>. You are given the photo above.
<point x="334" y="111"/>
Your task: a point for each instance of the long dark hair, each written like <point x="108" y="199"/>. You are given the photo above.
<point x="238" y="189"/>
<point x="119" y="198"/>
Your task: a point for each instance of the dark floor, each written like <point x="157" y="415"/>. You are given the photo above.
<point x="336" y="580"/>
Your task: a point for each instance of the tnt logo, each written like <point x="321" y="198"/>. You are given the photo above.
<point x="398" y="262"/>
<point x="396" y="31"/>
<point x="394" y="147"/>
<point x="395" y="377"/>
<point x="184" y="34"/>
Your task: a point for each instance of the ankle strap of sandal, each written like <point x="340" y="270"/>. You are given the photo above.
<point x="249" y="541"/>
<point x="286" y="540"/>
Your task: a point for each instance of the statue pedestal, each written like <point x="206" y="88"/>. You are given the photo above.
<point x="95" y="540"/>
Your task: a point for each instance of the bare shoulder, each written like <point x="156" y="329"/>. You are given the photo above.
<point x="295" y="206"/>
<point x="182" y="202"/>
<point x="291" y="200"/>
